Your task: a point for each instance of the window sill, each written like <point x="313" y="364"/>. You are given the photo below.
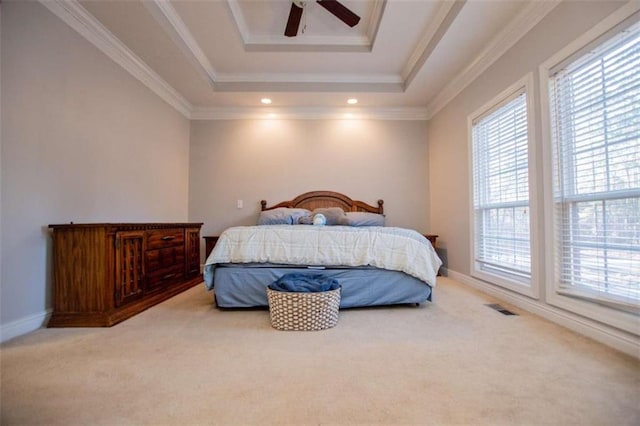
<point x="603" y="313"/>
<point x="518" y="286"/>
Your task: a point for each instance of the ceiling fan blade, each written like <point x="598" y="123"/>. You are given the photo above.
<point x="295" y="15"/>
<point x="341" y="12"/>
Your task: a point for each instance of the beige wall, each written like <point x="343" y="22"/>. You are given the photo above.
<point x="447" y="130"/>
<point x="82" y="141"/>
<point x="276" y="160"/>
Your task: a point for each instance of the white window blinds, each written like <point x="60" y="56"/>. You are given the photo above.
<point x="595" y="129"/>
<point x="501" y="190"/>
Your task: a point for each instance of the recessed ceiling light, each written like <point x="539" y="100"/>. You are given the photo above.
<point x="265" y="101"/>
<point x="352" y="101"/>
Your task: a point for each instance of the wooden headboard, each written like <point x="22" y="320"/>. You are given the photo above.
<point x="320" y="199"/>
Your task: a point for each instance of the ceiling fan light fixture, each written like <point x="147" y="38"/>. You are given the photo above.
<point x="352" y="101"/>
<point x="265" y="101"/>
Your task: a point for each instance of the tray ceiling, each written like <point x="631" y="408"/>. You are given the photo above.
<point x="218" y="58"/>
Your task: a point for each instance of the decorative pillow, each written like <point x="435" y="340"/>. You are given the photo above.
<point x="306" y="219"/>
<point x="281" y="216"/>
<point x="319" y="219"/>
<point x="296" y="214"/>
<point x="334" y="215"/>
<point x="363" y="219"/>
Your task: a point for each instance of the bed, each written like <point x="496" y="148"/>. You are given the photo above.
<point x="374" y="264"/>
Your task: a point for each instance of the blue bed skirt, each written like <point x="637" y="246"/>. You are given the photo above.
<point x="243" y="286"/>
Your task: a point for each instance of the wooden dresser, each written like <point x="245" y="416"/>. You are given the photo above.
<point x="104" y="273"/>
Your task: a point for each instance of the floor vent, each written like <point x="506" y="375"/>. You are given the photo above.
<point x="501" y="309"/>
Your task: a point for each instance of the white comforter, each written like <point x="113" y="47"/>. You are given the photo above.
<point x="390" y="248"/>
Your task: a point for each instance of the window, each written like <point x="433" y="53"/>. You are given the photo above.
<point x="594" y="101"/>
<point x="501" y="208"/>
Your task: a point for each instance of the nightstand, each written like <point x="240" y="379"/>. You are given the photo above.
<point x="210" y="243"/>
<point x="430" y="237"/>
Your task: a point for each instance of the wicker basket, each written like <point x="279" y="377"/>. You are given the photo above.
<point x="303" y="311"/>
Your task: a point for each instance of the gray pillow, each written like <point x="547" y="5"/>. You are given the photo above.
<point x="281" y="216"/>
<point x="334" y="215"/>
<point x="305" y="220"/>
<point x="363" y="219"/>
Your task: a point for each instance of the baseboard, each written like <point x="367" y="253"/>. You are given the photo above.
<point x="609" y="336"/>
<point x="23" y="326"/>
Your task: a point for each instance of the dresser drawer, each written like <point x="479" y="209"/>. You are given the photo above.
<point x="160" y="238"/>
<point x="164" y="258"/>
<point x="165" y="276"/>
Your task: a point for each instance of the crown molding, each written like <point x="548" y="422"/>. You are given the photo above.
<point x="310" y="78"/>
<point x="168" y="18"/>
<point x="445" y="16"/>
<point x="308" y="44"/>
<point x="238" y="17"/>
<point x="74" y="15"/>
<point x="375" y="19"/>
<point x="253" y="43"/>
<point x="301" y="82"/>
<point x="513" y="32"/>
<point x="309" y="113"/>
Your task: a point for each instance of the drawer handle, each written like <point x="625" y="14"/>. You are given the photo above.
<point x="166" y="277"/>
<point x="168" y="238"/>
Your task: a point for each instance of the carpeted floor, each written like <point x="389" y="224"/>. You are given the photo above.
<point x="451" y="362"/>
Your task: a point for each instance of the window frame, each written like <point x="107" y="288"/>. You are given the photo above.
<point x="528" y="287"/>
<point x="599" y="310"/>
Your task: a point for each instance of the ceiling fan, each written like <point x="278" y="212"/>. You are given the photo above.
<point x="333" y="6"/>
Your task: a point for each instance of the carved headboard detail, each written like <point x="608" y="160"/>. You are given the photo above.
<point x="319" y="199"/>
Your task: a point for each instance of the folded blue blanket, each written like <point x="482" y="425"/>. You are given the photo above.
<point x="304" y="283"/>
